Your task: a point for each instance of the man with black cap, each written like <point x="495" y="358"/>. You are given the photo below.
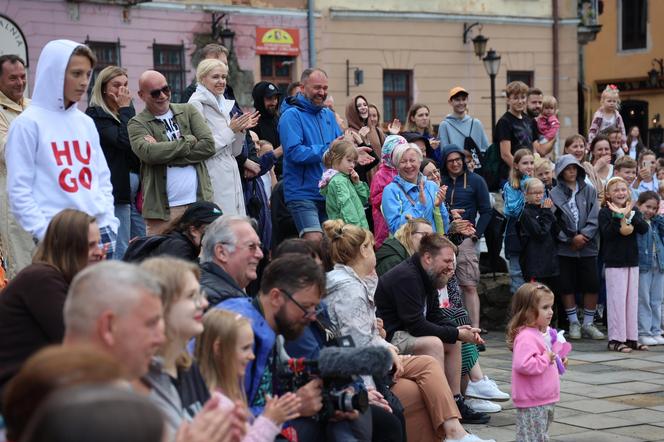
<point x="182" y="239"/>
<point x="458" y="126"/>
<point x="266" y="101"/>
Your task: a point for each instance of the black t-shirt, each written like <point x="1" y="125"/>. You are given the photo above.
<point x="192" y="389"/>
<point x="520" y="132"/>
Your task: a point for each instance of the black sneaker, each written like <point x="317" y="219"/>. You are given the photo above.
<point x="469" y="416"/>
<point x="481" y="347"/>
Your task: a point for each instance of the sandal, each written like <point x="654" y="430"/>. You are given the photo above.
<point x="636" y="345"/>
<point x="619" y="347"/>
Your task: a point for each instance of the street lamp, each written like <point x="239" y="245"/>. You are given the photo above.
<point x="479" y="41"/>
<point x="492" y="65"/>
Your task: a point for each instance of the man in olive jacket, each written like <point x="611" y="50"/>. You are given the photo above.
<point x="172" y="141"/>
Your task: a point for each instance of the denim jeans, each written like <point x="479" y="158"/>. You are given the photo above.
<point x="651" y="292"/>
<point x="131" y="222"/>
<point x="308" y="215"/>
<point x="516" y="277"/>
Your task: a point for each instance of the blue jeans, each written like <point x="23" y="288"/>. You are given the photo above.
<point x="308" y="215"/>
<point x="651" y="292"/>
<point x="131" y="222"/>
<point x="516" y="277"/>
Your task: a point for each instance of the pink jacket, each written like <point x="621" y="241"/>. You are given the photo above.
<point x="535" y="379"/>
<point x="261" y="429"/>
<point x="382" y="178"/>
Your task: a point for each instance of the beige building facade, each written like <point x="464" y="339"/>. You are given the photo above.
<point x="629" y="46"/>
<point x="420" y="44"/>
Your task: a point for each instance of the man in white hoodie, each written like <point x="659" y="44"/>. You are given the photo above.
<point x="54" y="160"/>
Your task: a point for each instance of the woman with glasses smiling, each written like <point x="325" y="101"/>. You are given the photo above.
<point x="174" y="382"/>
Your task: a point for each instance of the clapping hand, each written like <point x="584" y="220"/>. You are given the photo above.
<point x="245" y="121"/>
<point x="394" y="127"/>
<point x="282" y="409"/>
<point x="440" y="196"/>
<point x="547" y="203"/>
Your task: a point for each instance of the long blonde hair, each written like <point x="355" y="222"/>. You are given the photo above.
<point x="404" y="234"/>
<point x="171" y="273"/>
<point x="515" y="174"/>
<point x="97" y="98"/>
<point x="524" y="311"/>
<point x="215" y="352"/>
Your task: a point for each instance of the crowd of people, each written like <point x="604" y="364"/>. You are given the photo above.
<point x="253" y="238"/>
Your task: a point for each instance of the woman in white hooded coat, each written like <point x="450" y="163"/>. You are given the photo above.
<point x="228" y="132"/>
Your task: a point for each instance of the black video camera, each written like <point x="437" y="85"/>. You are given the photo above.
<point x="339" y="368"/>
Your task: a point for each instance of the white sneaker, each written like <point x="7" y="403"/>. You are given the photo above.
<point x="590" y="331"/>
<point x="470" y="438"/>
<point x="482" y="406"/>
<point x="647" y="340"/>
<point x="659" y="339"/>
<point x="574" y="330"/>
<point x="486" y="389"/>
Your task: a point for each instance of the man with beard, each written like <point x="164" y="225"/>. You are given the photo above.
<point x="290" y="292"/>
<point x="407" y="300"/>
<point x="266" y="101"/>
<point x="306" y="129"/>
<point x="534" y="100"/>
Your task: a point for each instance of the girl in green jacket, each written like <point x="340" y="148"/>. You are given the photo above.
<point x="345" y="194"/>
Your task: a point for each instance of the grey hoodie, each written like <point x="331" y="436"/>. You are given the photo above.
<point x="453" y="130"/>
<point x="586" y="202"/>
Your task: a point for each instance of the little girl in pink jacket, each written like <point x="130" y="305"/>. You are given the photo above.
<point x="535" y="374"/>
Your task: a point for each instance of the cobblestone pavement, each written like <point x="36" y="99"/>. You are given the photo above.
<point x="605" y="396"/>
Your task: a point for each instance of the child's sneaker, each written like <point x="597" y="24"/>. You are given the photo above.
<point x="591" y="332"/>
<point x="574" y="330"/>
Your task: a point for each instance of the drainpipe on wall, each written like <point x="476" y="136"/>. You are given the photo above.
<point x="311" y="33"/>
<point x="556" y="49"/>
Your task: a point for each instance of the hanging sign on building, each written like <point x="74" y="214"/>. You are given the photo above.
<point x="277" y="41"/>
<point x="12" y="40"/>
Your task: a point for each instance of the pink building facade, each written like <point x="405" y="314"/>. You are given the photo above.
<point x="159" y="35"/>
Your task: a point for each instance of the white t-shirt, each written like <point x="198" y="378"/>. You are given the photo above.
<point x="181" y="181"/>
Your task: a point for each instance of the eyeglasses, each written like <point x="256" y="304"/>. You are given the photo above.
<point x="454" y="160"/>
<point x="166" y="90"/>
<point x="252" y="246"/>
<point x="311" y="312"/>
<point x="199" y="297"/>
<point x="433" y="173"/>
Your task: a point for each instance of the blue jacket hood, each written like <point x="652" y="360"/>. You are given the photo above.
<point x="445" y="151"/>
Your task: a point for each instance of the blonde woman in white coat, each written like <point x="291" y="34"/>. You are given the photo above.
<point x="229" y="134"/>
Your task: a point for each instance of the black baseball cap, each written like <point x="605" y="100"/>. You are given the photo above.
<point x="201" y="211"/>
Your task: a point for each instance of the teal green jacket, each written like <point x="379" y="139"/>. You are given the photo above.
<point x="345" y="200"/>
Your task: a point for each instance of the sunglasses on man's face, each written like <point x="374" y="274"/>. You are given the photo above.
<point x="157" y="92"/>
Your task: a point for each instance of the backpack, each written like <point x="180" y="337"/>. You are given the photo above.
<point x="470" y="146"/>
<point x="143" y="248"/>
<point x="491" y="167"/>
